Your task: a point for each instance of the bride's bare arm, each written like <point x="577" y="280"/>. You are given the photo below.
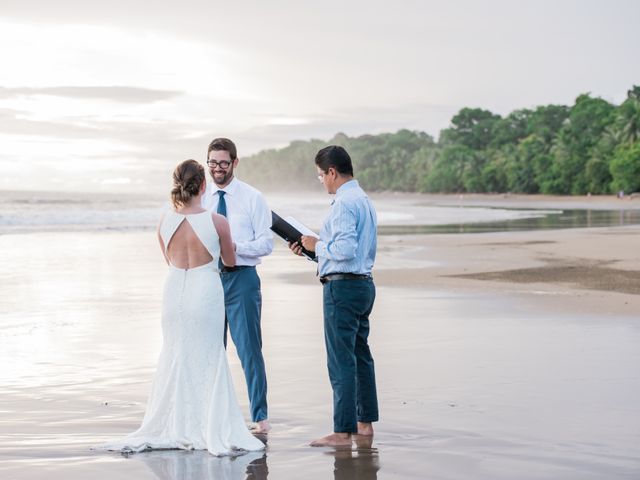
<point x="227" y="250"/>
<point x="164" y="253"/>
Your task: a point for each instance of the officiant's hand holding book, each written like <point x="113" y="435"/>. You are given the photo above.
<point x="303" y="246"/>
<point x="296" y="234"/>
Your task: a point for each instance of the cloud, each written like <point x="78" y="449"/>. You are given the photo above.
<point x="113" y="93"/>
<point x="353" y="121"/>
<point x="144" y="133"/>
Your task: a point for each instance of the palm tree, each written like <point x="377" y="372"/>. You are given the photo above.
<point x="627" y="122"/>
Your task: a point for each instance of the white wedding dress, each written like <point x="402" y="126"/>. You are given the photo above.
<point x="192" y="403"/>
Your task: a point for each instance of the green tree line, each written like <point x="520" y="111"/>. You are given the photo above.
<point x="592" y="146"/>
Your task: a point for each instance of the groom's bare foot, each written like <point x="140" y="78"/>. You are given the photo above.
<point x="333" y="440"/>
<point x="365" y="429"/>
<point x="263" y="426"/>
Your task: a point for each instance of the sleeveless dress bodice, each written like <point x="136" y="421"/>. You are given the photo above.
<point x="202" y="225"/>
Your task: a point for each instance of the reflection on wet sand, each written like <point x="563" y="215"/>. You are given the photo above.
<point x="566" y="218"/>
<point x="258" y="469"/>
<point x="179" y="465"/>
<point x="359" y="463"/>
<point x="77" y="355"/>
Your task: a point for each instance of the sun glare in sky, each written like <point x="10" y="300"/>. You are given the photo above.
<point x="90" y="98"/>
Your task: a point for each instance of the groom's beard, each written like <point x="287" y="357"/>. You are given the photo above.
<point x="222" y="178"/>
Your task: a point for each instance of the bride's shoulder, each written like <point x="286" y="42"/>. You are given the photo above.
<point x="167" y="214"/>
<point x="220" y="222"/>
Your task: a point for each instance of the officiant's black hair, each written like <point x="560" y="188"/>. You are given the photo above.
<point x="334" y="156"/>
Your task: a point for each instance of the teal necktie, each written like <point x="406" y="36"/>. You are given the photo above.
<point x="222" y="210"/>
<point x="222" y="203"/>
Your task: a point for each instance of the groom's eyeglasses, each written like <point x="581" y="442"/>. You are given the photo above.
<point x="223" y="164"/>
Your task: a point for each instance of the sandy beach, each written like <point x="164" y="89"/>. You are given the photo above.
<point x="499" y="355"/>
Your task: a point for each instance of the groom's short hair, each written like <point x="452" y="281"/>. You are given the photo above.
<point x="224" y="144"/>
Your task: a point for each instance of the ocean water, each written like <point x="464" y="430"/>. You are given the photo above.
<point x="23" y="212"/>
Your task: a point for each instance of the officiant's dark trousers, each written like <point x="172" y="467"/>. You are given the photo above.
<point x="243" y="303"/>
<point x="347" y="305"/>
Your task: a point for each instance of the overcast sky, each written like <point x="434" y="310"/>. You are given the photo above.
<point x="112" y="94"/>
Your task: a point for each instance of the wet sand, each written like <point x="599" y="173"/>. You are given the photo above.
<point x="499" y="356"/>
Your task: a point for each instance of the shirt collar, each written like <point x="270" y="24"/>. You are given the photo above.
<point x="347" y="186"/>
<point x="229" y="189"/>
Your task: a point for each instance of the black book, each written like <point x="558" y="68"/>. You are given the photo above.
<point x="288" y="233"/>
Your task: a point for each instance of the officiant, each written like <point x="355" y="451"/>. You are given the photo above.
<point x="346" y="252"/>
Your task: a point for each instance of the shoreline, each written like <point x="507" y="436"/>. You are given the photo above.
<point x="399" y="213"/>
<point x="515" y="200"/>
<point x="486" y="199"/>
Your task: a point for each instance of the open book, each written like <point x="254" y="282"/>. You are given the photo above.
<point x="290" y="230"/>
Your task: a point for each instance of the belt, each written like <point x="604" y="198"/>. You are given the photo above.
<point x="226" y="269"/>
<point x="329" y="277"/>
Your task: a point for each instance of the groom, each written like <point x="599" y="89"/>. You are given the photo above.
<point x="250" y="221"/>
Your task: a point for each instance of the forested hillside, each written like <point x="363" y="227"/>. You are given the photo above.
<point x="592" y="146"/>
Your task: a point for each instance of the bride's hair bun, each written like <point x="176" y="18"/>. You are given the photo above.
<point x="187" y="181"/>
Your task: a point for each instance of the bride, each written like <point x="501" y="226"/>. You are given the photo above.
<point x="192" y="403"/>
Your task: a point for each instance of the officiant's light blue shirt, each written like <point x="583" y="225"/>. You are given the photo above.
<point x="348" y="237"/>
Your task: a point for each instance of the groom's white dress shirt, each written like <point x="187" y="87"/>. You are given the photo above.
<point x="249" y="218"/>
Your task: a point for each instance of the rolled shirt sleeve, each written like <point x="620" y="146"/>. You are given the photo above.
<point x="262" y="243"/>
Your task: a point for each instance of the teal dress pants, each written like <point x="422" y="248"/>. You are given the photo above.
<point x="243" y="305"/>
<point x="347" y="305"/>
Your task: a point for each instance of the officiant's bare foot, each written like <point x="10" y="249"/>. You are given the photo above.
<point x="333" y="440"/>
<point x="365" y="429"/>
<point x="363" y="442"/>
<point x="263" y="426"/>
